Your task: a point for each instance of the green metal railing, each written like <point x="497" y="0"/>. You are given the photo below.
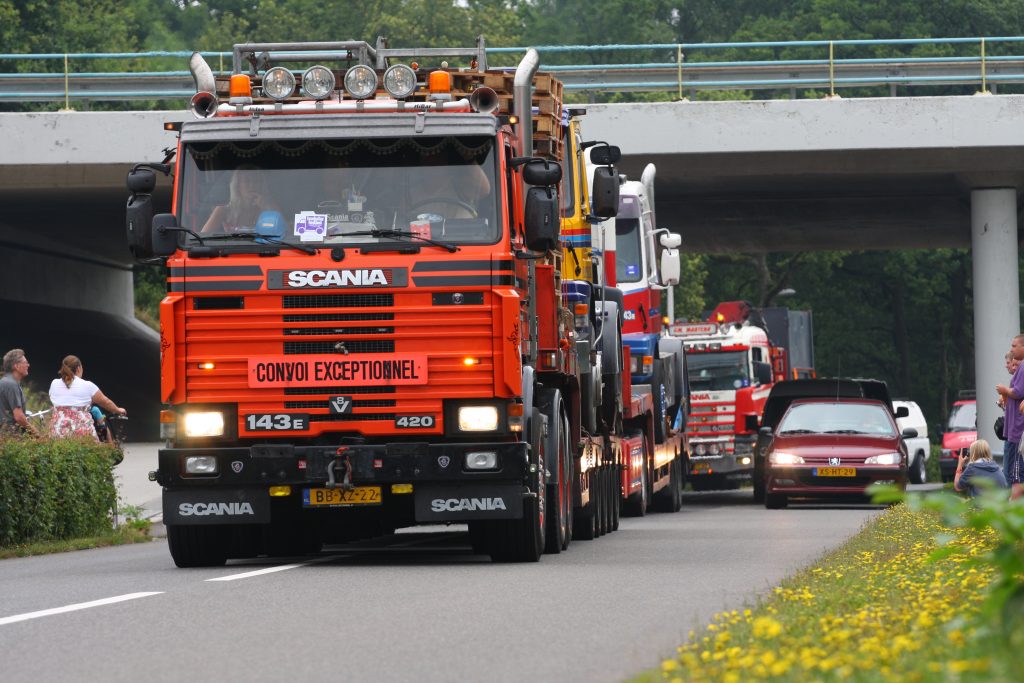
<point x="982" y="63"/>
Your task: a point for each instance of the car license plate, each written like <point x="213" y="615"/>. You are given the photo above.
<point x="360" y="495"/>
<point x="836" y="471"/>
<point x="700" y="467"/>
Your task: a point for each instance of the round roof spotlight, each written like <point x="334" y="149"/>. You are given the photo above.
<point x="400" y="81"/>
<point x="278" y="83"/>
<point x="318" y="82"/>
<point x="361" y="81"/>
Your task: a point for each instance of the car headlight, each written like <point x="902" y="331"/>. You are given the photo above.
<point x="884" y="459"/>
<point x="204" y="424"/>
<point x="318" y="82"/>
<point x="361" y="81"/>
<point x="781" y="458"/>
<point x="278" y="83"/>
<point x="400" y="81"/>
<point x="478" y="418"/>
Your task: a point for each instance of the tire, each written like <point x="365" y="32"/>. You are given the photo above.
<point x="616" y="496"/>
<point x="758" y="486"/>
<point x="523" y="540"/>
<point x="584" y="522"/>
<point x="775" y="501"/>
<point x="668" y="499"/>
<point x="636" y="504"/>
<point x="659" y="400"/>
<point x="198" y="546"/>
<point x="918" y="470"/>
<point x="559" y="494"/>
<point x="601" y="509"/>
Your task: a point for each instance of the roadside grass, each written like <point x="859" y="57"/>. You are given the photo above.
<point x="883" y="607"/>
<point x="122" y="535"/>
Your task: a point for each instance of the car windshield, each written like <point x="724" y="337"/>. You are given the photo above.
<point x="963" y="418"/>
<point x="339" y="192"/>
<point x="718" y="371"/>
<point x="628" y="261"/>
<point x="838" y="418"/>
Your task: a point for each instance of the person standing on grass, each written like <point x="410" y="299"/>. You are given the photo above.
<point x="1013" y="420"/>
<point x="976" y="465"/>
<point x="12" y="399"/>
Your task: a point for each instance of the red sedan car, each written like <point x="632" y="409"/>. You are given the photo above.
<point x="834" y="448"/>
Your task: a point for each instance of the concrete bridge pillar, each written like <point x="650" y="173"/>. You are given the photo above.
<point x="996" y="295"/>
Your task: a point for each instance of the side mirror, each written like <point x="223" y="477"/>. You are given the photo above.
<point x="670" y="267"/>
<point x="765" y="431"/>
<point x="542" y="172"/>
<point x="541" y="220"/>
<point x="604" y="192"/>
<point x="762" y="372"/>
<point x="671" y="240"/>
<point x="138" y="225"/>
<point x="141" y="181"/>
<point x="909" y="433"/>
<point x="605" y="154"/>
<point x="164" y="242"/>
<point x="903" y="411"/>
<point x="750" y="423"/>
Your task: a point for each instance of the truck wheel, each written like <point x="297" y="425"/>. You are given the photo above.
<point x="523" y="540"/>
<point x="660" y="400"/>
<point x="584" y="524"/>
<point x="669" y="498"/>
<point x="775" y="501"/>
<point x="758" y="478"/>
<point x="918" y="470"/>
<point x="615" y="496"/>
<point x="559" y="518"/>
<point x="604" y="509"/>
<point x="636" y="504"/>
<point x="198" y="546"/>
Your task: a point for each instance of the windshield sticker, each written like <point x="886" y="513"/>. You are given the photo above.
<point x="311" y="226"/>
<point x="632" y="270"/>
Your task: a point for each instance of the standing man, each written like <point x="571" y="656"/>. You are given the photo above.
<point x="12" y="398"/>
<point x="1013" y="425"/>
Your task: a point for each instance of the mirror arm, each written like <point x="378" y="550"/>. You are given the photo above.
<point x="159" y="168"/>
<point x="164" y="229"/>
<point x="526" y="255"/>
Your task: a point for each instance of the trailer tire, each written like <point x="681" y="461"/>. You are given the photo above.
<point x="669" y="499"/>
<point x="584" y="522"/>
<point x="636" y="504"/>
<point x="198" y="546"/>
<point x="615" y="495"/>
<point x="559" y="493"/>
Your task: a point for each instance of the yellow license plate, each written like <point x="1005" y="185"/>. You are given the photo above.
<point x="360" y="495"/>
<point x="836" y="471"/>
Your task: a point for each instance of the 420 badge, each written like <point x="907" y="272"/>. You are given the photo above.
<point x="276" y="422"/>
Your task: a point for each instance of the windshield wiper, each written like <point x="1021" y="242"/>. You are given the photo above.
<point x="269" y="239"/>
<point x="396" y="234"/>
<point x="844" y="431"/>
<point x="797" y="431"/>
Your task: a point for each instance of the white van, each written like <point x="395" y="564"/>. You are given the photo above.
<point x="918" y="448"/>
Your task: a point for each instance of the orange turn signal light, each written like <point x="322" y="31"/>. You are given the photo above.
<point x="581" y="309"/>
<point x="440" y="82"/>
<point x="515" y="409"/>
<point x="168" y="417"/>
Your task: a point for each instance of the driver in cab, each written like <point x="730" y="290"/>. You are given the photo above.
<point x="450" y="191"/>
<point x="245" y="204"/>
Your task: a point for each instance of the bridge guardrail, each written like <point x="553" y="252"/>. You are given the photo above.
<point x="689" y="71"/>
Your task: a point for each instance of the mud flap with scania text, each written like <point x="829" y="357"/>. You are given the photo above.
<point x="216" y="506"/>
<point x="453" y="503"/>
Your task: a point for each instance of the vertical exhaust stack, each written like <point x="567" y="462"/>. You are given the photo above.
<point x="647" y="179"/>
<point x="523" y="94"/>
<point x="204" y="103"/>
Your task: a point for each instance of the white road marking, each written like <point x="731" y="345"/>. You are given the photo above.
<point x="75" y="607"/>
<point x="270" y="570"/>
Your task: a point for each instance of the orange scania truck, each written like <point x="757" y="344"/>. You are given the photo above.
<point x="367" y="325"/>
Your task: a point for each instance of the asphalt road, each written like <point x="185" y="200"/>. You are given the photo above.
<point x="413" y="607"/>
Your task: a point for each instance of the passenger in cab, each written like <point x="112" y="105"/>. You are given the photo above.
<point x="247" y="200"/>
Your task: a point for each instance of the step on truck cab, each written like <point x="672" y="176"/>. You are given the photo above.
<point x="365" y="325"/>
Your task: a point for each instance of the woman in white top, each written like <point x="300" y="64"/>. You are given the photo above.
<point x="72" y="397"/>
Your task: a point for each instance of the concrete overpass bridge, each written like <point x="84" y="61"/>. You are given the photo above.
<point x="778" y="175"/>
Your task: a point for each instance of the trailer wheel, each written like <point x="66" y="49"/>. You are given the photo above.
<point x="198" y="546"/>
<point x="669" y="499"/>
<point x="602" y="508"/>
<point x="559" y="493"/>
<point x="636" y="504"/>
<point x="615" y="489"/>
<point x="523" y="540"/>
<point x="584" y="522"/>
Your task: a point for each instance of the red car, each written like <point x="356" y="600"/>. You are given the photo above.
<point x="834" y="447"/>
<point x="961" y="432"/>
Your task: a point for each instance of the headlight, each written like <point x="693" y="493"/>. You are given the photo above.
<point x="478" y="419"/>
<point x="481" y="460"/>
<point x="780" y="458"/>
<point x="700" y="449"/>
<point x="400" y="81"/>
<point x="714" y="448"/>
<point x="318" y="82"/>
<point x="278" y="83"/>
<point x="201" y="464"/>
<point x="884" y="459"/>
<point x="361" y="81"/>
<point x="204" y="424"/>
<point x="634" y="365"/>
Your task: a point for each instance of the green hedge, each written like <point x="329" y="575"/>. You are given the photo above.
<point x="54" y="489"/>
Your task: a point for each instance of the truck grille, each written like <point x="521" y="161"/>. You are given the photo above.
<point x="338" y="301"/>
<point x="330" y="347"/>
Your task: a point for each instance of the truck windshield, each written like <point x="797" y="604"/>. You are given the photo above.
<point x="339" y="192"/>
<point x="628" y="258"/>
<point x="718" y="371"/>
<point x="963" y="418"/>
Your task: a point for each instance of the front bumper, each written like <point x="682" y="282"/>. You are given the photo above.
<point x="444" y="490"/>
<point x="738" y="464"/>
<point x="801" y="481"/>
